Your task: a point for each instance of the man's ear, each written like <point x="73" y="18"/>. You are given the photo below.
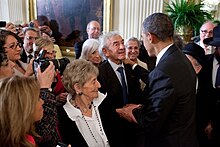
<point x="153" y="38"/>
<point x="198" y="69"/>
<point x="105" y="51"/>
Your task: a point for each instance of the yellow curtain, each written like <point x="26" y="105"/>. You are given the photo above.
<point x="32" y="10"/>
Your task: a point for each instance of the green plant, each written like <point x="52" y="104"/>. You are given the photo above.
<point x="187" y="14"/>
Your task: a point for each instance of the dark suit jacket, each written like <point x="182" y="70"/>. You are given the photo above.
<point x="23" y="56"/>
<point x="168" y="116"/>
<point x="120" y="132"/>
<point x="68" y="130"/>
<point x="208" y="103"/>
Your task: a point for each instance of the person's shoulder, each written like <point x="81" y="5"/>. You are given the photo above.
<point x="104" y="64"/>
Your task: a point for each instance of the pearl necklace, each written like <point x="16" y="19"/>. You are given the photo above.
<point x="99" y="122"/>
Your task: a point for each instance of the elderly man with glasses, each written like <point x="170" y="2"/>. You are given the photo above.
<point x="206" y="31"/>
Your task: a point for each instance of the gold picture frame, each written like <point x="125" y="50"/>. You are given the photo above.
<point x="69" y="50"/>
<point x="107" y="13"/>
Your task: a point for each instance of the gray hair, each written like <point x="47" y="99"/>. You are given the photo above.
<point x="132" y="39"/>
<point x="78" y="71"/>
<point x="104" y="41"/>
<point x="89" y="46"/>
<point x="160" y="25"/>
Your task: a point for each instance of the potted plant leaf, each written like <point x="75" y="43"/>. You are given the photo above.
<point x="187" y="17"/>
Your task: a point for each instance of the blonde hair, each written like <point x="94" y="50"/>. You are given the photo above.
<point x="18" y="99"/>
<point x="78" y="71"/>
<point x="41" y="42"/>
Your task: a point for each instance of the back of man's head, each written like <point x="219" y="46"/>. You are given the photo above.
<point x="160" y="25"/>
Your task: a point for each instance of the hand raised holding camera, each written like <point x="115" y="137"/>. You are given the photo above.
<point x="46" y="78"/>
<point x="29" y="70"/>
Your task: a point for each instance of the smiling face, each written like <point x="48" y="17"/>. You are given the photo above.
<point x="95" y="57"/>
<point x="116" y="49"/>
<point x="90" y="88"/>
<point x="93" y="30"/>
<point x="132" y="50"/>
<point x="29" y="40"/>
<point x="12" y="48"/>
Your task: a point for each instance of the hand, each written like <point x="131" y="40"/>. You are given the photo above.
<point x="128" y="61"/>
<point x="62" y="97"/>
<point x="29" y="70"/>
<point x="45" y="28"/>
<point x="208" y="130"/>
<point x="126" y="112"/>
<point x="46" y="78"/>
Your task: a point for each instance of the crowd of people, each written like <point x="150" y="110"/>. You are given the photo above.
<point x="114" y="93"/>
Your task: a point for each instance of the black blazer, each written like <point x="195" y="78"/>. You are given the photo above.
<point x="120" y="132"/>
<point x="168" y="116"/>
<point x="68" y="130"/>
<point x="23" y="56"/>
<point x="208" y="103"/>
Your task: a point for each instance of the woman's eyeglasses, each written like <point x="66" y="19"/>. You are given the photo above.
<point x="14" y="45"/>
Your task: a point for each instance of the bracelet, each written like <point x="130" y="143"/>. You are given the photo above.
<point x="46" y="89"/>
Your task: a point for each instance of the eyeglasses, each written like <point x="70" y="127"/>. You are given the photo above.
<point x="14" y="45"/>
<point x="31" y="38"/>
<point x="206" y="32"/>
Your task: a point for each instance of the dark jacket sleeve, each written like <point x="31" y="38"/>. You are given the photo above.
<point x="159" y="102"/>
<point x="47" y="126"/>
<point x="141" y="73"/>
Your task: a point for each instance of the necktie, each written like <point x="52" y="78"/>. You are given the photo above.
<point x="124" y="86"/>
<point x="30" y="57"/>
<point x="217" y="81"/>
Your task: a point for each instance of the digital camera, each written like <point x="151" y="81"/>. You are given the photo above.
<point x="43" y="63"/>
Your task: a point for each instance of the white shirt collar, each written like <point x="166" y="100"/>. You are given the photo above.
<point x="161" y="53"/>
<point x="73" y="112"/>
<point x="115" y="66"/>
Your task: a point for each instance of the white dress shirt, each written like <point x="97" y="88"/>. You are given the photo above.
<point x="75" y="115"/>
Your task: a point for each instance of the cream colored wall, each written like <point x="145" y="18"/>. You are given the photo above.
<point x="128" y="15"/>
<point x="15" y="11"/>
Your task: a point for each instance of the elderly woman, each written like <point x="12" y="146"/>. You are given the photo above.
<point x="12" y="45"/>
<point x="80" y="122"/>
<point x="90" y="51"/>
<point x="20" y="108"/>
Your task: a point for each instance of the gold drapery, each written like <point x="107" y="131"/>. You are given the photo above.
<point x="32" y="9"/>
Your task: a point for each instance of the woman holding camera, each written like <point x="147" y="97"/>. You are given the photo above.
<point x="12" y="46"/>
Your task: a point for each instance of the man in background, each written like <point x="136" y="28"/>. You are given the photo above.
<point x="93" y="31"/>
<point x="30" y="35"/>
<point x="206" y="31"/>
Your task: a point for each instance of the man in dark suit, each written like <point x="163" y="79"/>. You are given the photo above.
<point x="209" y="89"/>
<point x="168" y="114"/>
<point x="120" y="132"/>
<point x="30" y="35"/>
<point x="93" y="30"/>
